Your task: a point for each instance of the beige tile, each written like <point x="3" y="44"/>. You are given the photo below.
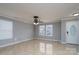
<point x="39" y="47"/>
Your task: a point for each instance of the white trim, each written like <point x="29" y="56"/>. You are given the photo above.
<point x="71" y="43"/>
<point x="68" y="43"/>
<point x="47" y="39"/>
<point x="9" y="44"/>
<point x="63" y="42"/>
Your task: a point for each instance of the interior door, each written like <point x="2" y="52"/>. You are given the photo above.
<point x="72" y="32"/>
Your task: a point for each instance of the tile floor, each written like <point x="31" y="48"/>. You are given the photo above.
<point x="40" y="47"/>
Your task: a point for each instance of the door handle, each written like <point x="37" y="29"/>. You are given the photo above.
<point x="67" y="32"/>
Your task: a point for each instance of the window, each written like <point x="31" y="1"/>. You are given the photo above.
<point x="49" y="30"/>
<point x="6" y="29"/>
<point x="42" y="30"/>
<point x="46" y="30"/>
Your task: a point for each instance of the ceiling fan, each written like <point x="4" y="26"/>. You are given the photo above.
<point x="36" y="20"/>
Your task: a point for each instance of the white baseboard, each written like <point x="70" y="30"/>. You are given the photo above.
<point x="12" y="43"/>
<point x="72" y="43"/>
<point x="47" y="39"/>
<point x="63" y="42"/>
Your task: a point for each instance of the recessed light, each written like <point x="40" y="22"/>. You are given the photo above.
<point x="75" y="14"/>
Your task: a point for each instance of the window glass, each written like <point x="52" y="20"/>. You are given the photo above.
<point x="49" y="30"/>
<point x="46" y="30"/>
<point x="42" y="30"/>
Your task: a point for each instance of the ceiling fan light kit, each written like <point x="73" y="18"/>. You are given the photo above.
<point x="36" y="20"/>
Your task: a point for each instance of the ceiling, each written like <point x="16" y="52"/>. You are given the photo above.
<point x="48" y="12"/>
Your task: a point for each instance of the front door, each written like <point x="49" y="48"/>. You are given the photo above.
<point x="72" y="32"/>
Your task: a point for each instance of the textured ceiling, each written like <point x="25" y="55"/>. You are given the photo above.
<point x="48" y="12"/>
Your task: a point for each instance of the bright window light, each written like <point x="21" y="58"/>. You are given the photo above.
<point x="6" y="29"/>
<point x="46" y="30"/>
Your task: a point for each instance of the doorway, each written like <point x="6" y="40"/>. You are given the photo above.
<point x="72" y="32"/>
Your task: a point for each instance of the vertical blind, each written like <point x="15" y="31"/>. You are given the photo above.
<point x="6" y="29"/>
<point x="46" y="30"/>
